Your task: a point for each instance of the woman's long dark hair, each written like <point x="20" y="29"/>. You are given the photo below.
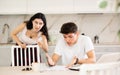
<point x="44" y="29"/>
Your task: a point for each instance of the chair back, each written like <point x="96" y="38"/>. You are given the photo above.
<point x="25" y="56"/>
<point x="112" y="68"/>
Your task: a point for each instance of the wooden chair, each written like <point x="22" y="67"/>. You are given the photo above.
<point x="109" y="57"/>
<point x="24" y="57"/>
<point x="112" y="68"/>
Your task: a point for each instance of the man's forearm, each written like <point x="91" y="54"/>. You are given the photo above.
<point x="88" y="60"/>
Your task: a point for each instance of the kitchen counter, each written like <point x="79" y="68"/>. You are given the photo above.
<point x="107" y="45"/>
<point x="5" y="52"/>
<point x="96" y="45"/>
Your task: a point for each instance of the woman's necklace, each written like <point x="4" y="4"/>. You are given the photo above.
<point x="33" y="35"/>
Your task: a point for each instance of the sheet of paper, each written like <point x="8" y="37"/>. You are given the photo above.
<point x="57" y="68"/>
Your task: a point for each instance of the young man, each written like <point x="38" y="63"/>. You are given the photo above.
<point x="73" y="48"/>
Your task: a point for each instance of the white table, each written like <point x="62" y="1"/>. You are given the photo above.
<point x="18" y="71"/>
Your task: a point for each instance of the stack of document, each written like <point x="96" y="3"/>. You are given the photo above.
<point x="57" y="68"/>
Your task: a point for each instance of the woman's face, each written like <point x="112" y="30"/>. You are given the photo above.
<point x="70" y="38"/>
<point x="37" y="24"/>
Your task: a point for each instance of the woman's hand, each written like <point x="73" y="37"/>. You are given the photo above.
<point x="22" y="45"/>
<point x="49" y="60"/>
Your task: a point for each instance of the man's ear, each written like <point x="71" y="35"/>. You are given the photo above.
<point x="77" y="33"/>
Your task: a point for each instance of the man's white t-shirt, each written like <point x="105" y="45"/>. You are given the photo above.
<point x="79" y="49"/>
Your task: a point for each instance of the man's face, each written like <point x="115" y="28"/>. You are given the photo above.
<point x="71" y="38"/>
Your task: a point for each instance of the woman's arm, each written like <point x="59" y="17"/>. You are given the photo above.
<point x="43" y="44"/>
<point x="15" y="32"/>
<point x="52" y="61"/>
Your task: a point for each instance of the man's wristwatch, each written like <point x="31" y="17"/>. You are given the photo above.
<point x="76" y="61"/>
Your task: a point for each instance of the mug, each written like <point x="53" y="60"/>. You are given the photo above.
<point x="38" y="66"/>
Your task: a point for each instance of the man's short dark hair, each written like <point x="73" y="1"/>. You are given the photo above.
<point x="68" y="27"/>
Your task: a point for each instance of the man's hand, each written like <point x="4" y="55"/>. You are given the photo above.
<point x="73" y="62"/>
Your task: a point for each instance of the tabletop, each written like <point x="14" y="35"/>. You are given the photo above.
<point x="21" y="71"/>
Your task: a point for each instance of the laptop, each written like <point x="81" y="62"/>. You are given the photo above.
<point x="109" y="57"/>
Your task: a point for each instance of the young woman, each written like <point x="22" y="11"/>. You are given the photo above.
<point x="32" y="32"/>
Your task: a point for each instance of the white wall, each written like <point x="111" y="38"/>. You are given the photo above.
<point x="105" y="26"/>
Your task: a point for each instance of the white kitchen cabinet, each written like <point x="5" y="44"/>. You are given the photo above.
<point x="92" y="6"/>
<point x="50" y="6"/>
<point x="13" y="6"/>
<point x="55" y="6"/>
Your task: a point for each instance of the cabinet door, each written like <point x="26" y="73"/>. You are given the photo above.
<point x="13" y="6"/>
<point x="93" y="6"/>
<point x="50" y="6"/>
